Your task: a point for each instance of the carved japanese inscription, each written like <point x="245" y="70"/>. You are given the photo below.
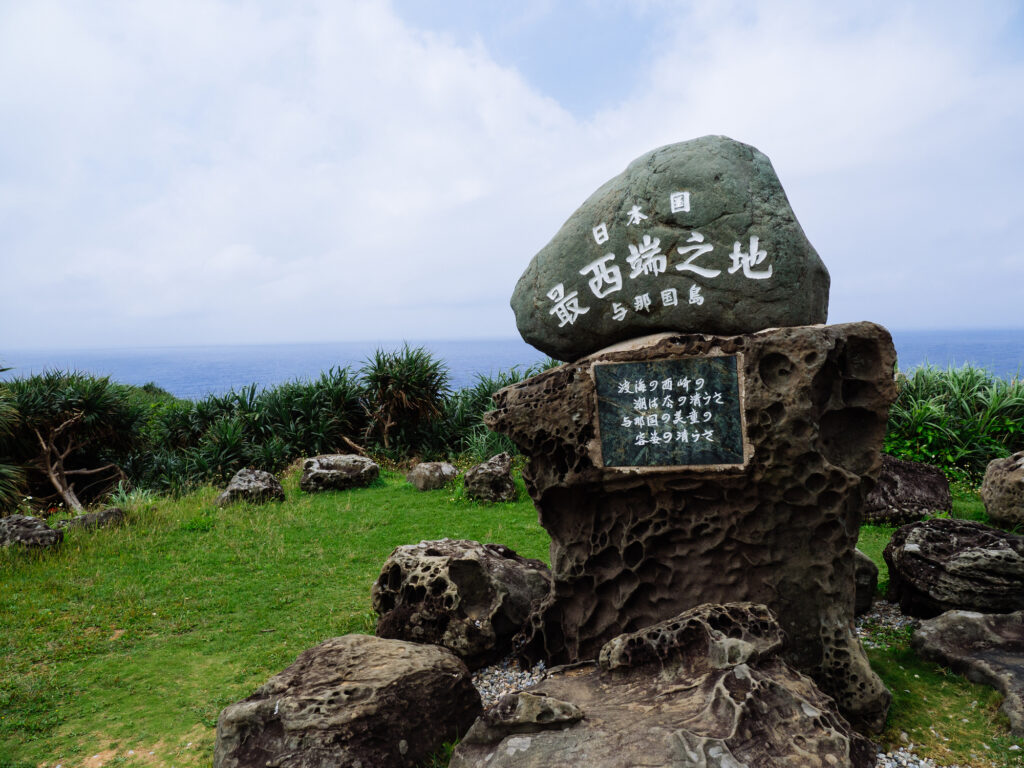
<point x="670" y="413"/>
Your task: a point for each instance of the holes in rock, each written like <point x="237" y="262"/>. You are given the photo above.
<point x="411" y="594"/>
<point x="633" y="554"/>
<point x="394" y="577"/>
<point x="776" y="371"/>
<point x="862" y="359"/>
<point x="437" y="586"/>
<point x="851" y="438"/>
<point x="473" y="586"/>
<point x="814" y="482"/>
<point x="860" y="393"/>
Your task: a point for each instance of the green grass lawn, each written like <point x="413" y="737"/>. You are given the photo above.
<point x="135" y="638"/>
<point x="129" y="641"/>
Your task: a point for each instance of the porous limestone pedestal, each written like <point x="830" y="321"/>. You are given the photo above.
<point x="762" y="504"/>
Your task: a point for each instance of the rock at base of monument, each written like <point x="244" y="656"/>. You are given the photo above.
<point x="431" y="475"/>
<point x="491" y="480"/>
<point x="985" y="648"/>
<point x="634" y="545"/>
<point x="906" y="492"/>
<point x="942" y="565"/>
<point x="468" y="597"/>
<point x="1002" y="490"/>
<point x="104" y="518"/>
<point x="708" y="687"/>
<point x="28" y="531"/>
<point x="866" y="576"/>
<point x="252" y="485"/>
<point x="337" y="472"/>
<point x="352" y="700"/>
<point x="694" y="237"/>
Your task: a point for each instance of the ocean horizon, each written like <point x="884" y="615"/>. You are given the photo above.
<point x="193" y="372"/>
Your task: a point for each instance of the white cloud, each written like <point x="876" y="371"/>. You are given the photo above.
<point x="203" y="172"/>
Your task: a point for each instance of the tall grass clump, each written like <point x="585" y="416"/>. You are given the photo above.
<point x="405" y="390"/>
<point x="211" y="439"/>
<point x="958" y="419"/>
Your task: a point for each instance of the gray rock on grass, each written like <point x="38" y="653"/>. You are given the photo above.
<point x="465" y="596"/>
<point x="28" y="531"/>
<point x="986" y="648"/>
<point x="104" y="518"/>
<point x="351" y="701"/>
<point x="252" y="485"/>
<point x="337" y="472"/>
<point x="491" y="480"/>
<point x="942" y="564"/>
<point x="702" y="229"/>
<point x="906" y="492"/>
<point x="431" y="475"/>
<point x="1003" y="491"/>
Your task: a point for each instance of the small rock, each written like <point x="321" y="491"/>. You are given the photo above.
<point x="252" y="485"/>
<point x="431" y="475"/>
<point x="28" y="531"/>
<point x="492" y="480"/>
<point x="337" y="472"/>
<point x="1003" y="490"/>
<point x="102" y="519"/>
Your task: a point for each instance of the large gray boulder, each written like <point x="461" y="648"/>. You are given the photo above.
<point x="694" y="237"/>
<point x="337" y="472"/>
<point x="1003" y="491"/>
<point x="942" y="565"/>
<point x="252" y="485"/>
<point x="468" y="597"/>
<point x="28" y="531"/>
<point x="906" y="491"/>
<point x="351" y="701"/>
<point x="431" y="475"/>
<point x="986" y="648"/>
<point x="491" y="480"/>
<point x="706" y="688"/>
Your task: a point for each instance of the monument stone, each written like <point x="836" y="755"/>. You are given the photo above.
<point x="723" y="459"/>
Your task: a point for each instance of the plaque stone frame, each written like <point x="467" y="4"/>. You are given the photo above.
<point x="744" y="449"/>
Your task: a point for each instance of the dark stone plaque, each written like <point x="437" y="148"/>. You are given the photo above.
<point x="670" y="413"/>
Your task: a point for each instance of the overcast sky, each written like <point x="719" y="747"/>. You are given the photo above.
<point x="224" y="172"/>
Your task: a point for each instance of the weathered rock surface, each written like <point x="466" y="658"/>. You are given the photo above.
<point x="337" y="472"/>
<point x="734" y="261"/>
<point x="985" y="648"/>
<point x="252" y="485"/>
<point x="468" y="597"/>
<point x="1002" y="490"/>
<point x="431" y="475"/>
<point x="630" y="548"/>
<point x="865" y="575"/>
<point x="103" y="518"/>
<point x="942" y="565"/>
<point x="906" y="492"/>
<point x="707" y="688"/>
<point x="351" y="701"/>
<point x="28" y="531"/>
<point x="491" y="480"/>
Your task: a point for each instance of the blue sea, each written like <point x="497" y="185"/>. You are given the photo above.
<point x="195" y="371"/>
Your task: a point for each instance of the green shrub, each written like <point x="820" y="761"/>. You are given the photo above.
<point x="404" y="392"/>
<point x="958" y="419"/>
<point x="73" y="434"/>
